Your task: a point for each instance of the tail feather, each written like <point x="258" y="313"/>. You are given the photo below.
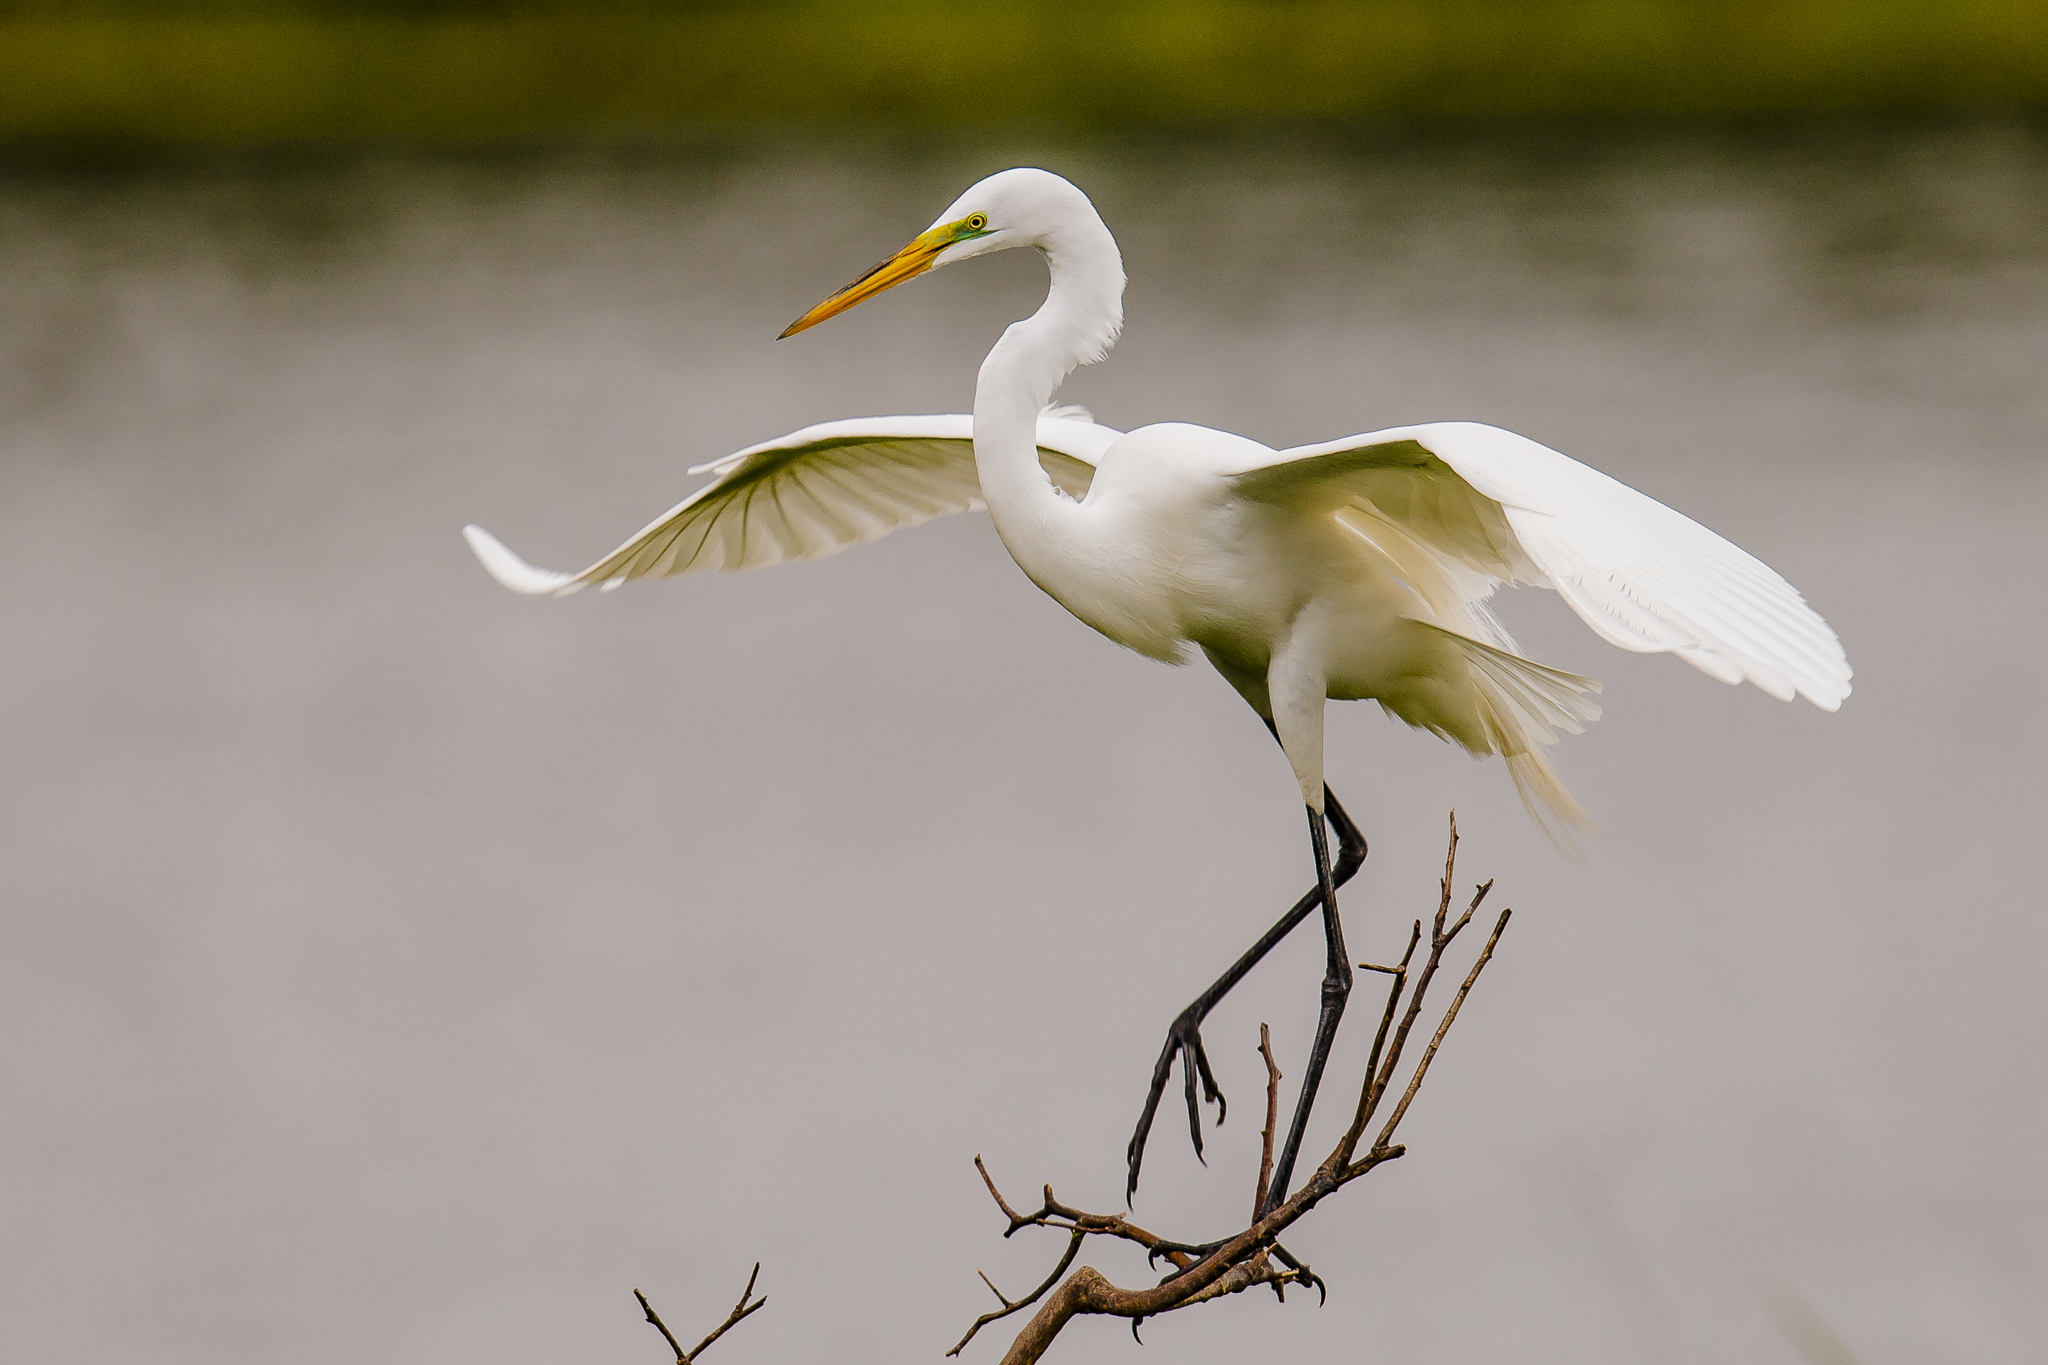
<point x="1523" y="704"/>
<point x="1561" y="818"/>
<point x="1544" y="699"/>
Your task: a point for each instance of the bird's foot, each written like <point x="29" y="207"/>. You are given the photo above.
<point x="1198" y="1252"/>
<point x="1183" y="1040"/>
<point x="1302" y="1275"/>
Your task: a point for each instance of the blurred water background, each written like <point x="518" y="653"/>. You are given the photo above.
<point x="395" y="969"/>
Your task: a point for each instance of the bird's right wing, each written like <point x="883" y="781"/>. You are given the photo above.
<point x="811" y="494"/>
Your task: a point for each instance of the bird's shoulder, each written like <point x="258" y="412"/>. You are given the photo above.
<point x="1183" y="449"/>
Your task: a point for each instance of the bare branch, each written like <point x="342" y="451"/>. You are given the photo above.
<point x="1073" y="1249"/>
<point x="1253" y="1256"/>
<point x="1450" y="862"/>
<point x="660" y="1326"/>
<point x="1272" y="1119"/>
<point x="1422" y="1067"/>
<point x="1369" y="1091"/>
<point x="1054" y="1214"/>
<point x="741" y="1311"/>
<point x="1438" y="942"/>
<point x="1017" y="1220"/>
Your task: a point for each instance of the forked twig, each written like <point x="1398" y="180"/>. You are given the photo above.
<point x="1451" y="1014"/>
<point x="1010" y="1306"/>
<point x="1374" y="1088"/>
<point x="1053" y="1214"/>
<point x="741" y="1311"/>
<point x="1368" y="1094"/>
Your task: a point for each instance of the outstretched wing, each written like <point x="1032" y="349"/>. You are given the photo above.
<point x="1505" y="508"/>
<point x="811" y="494"/>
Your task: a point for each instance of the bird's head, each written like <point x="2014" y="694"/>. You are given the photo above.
<point x="1022" y="207"/>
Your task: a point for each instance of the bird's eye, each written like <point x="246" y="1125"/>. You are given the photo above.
<point x="977" y="222"/>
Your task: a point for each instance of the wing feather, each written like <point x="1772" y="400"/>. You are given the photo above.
<point x="1641" y="575"/>
<point x="844" y="490"/>
<point x="824" y="522"/>
<point x="811" y="494"/>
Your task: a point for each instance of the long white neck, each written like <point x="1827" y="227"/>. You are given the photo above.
<point x="1076" y="325"/>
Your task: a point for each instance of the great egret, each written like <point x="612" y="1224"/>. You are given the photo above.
<point x="1355" y="568"/>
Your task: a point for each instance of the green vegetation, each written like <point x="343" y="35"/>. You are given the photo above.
<point x="264" y="72"/>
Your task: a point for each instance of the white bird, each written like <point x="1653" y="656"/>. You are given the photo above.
<point x="1357" y="568"/>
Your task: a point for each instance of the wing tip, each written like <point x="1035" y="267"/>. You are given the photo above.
<point x="508" y="568"/>
<point x="1826" y="691"/>
<point x="1828" y="699"/>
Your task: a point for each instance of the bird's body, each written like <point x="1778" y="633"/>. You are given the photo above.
<point x="1295" y="602"/>
<point x="1359" y="568"/>
<point x="1150" y="557"/>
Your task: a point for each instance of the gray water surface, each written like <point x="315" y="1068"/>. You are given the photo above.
<point x="393" y="969"/>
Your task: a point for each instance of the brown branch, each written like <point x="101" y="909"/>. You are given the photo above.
<point x="1272" y="1120"/>
<point x="1073" y="1249"/>
<point x="1253" y="1256"/>
<point x="1428" y="1056"/>
<point x="1379" y="1071"/>
<point x="1051" y="1213"/>
<point x="660" y="1326"/>
<point x="1450" y="862"/>
<point x="1368" y="1093"/>
<point x="740" y="1312"/>
<point x="1439" y="940"/>
<point x="1228" y="1268"/>
<point x="1017" y="1220"/>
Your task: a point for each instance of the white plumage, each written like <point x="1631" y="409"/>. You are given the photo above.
<point x="1357" y="568"/>
<point x="1351" y="569"/>
<point x="811" y="494"/>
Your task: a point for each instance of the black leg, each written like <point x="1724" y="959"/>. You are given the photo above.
<point x="1184" y="1038"/>
<point x="1336" y="989"/>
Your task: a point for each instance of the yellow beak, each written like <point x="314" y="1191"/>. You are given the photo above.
<point x="906" y="264"/>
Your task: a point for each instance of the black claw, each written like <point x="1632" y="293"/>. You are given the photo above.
<point x="1304" y="1274"/>
<point x="1183" y="1041"/>
<point x="1198" y="1252"/>
<point x="1211" y="1091"/>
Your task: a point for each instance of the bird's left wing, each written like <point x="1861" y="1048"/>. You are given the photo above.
<point x="811" y="494"/>
<point x="1642" y="576"/>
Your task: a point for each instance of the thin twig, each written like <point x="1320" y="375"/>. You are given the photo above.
<point x="1377" y="1080"/>
<point x="741" y="1311"/>
<point x="1422" y="1067"/>
<point x="1438" y="941"/>
<point x="1073" y="1249"/>
<point x="1054" y="1214"/>
<point x="1017" y="1220"/>
<point x="660" y="1326"/>
<point x="1478" y="895"/>
<point x="1450" y="862"/>
<point x="1369" y="1092"/>
<point x="1272" y="1119"/>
